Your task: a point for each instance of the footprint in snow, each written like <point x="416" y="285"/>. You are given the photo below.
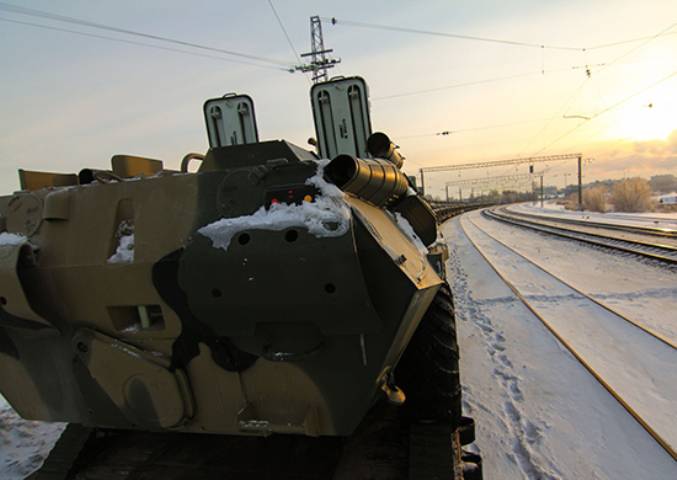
<point x="533" y="433"/>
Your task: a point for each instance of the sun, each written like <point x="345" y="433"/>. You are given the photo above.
<point x="650" y="122"/>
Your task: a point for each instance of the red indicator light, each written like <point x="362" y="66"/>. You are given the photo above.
<point x="274" y="201"/>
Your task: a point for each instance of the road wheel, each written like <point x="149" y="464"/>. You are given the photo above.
<point x="428" y="370"/>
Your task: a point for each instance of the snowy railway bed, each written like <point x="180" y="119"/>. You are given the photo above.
<point x="598" y="337"/>
<point x="668" y="341"/>
<point x="610" y="368"/>
<point x="618" y="223"/>
<point x="661" y="224"/>
<point x="664" y="251"/>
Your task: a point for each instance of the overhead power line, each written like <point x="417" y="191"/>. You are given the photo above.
<point x="512" y="161"/>
<point x="352" y="23"/>
<point x="494" y="179"/>
<point x="645" y="42"/>
<point x="517" y="43"/>
<point x="286" y="35"/>
<point x="142" y="44"/>
<point x="501" y="163"/>
<point x="608" y="109"/>
<point x="446" y="133"/>
<point x="631" y="40"/>
<point x="559" y="113"/>
<point x="284" y="30"/>
<point x="494" y="79"/>
<point x="463" y="84"/>
<point x="77" y="21"/>
<point x="569" y="102"/>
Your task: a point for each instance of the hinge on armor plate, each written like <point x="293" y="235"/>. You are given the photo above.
<point x="394" y="394"/>
<point x="438" y="254"/>
<point x="248" y="423"/>
<point x="437" y="263"/>
<point x="13" y="298"/>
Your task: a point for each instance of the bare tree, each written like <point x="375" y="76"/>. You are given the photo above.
<point x="632" y="195"/>
<point x="594" y="199"/>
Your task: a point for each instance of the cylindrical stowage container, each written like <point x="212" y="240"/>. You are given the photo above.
<point x="380" y="146"/>
<point x="376" y="181"/>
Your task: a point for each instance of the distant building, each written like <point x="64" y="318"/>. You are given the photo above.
<point x="669" y="199"/>
<point x="663" y="183"/>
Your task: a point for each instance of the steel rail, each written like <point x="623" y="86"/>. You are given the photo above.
<point x="663" y="443"/>
<point x="580" y="236"/>
<point x="525" y="218"/>
<point x="650" y="331"/>
<point x="646" y="230"/>
<point x="444" y="211"/>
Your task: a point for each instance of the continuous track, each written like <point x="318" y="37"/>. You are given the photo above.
<point x="99" y="454"/>
<point x="384" y="447"/>
<point x="666" y="254"/>
<point x="652" y="427"/>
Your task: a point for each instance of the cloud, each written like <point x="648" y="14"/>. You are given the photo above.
<point x="613" y="159"/>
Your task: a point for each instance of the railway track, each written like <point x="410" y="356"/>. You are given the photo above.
<point x="611" y="346"/>
<point x="644" y="230"/>
<point x="668" y="341"/>
<point x="663" y="253"/>
<point x="444" y="211"/>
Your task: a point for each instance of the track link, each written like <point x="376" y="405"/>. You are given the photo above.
<point x="383" y="448"/>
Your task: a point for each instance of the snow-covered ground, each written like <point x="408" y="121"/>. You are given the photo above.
<point x="639" y="367"/>
<point x="652" y="219"/>
<point x="540" y="413"/>
<point x="23" y="444"/>
<point x="629" y="285"/>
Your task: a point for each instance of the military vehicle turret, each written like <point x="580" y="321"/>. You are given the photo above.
<point x="274" y="290"/>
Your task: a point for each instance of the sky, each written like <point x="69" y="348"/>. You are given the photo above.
<point x="71" y="101"/>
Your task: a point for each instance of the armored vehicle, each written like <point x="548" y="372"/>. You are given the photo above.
<point x="273" y="290"/>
